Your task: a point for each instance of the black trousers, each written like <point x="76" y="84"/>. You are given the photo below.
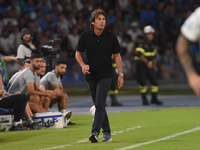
<point x="17" y="102"/>
<point x="99" y="90"/>
<point x="144" y="73"/>
<point x="114" y="83"/>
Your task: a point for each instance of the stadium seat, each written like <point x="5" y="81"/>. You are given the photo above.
<point x="6" y="116"/>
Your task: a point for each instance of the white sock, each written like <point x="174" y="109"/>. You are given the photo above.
<point x="15" y="123"/>
<point x="63" y="110"/>
<point x="30" y="121"/>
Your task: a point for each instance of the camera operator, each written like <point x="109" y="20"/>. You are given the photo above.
<point x="25" y="49"/>
<point x="50" y="51"/>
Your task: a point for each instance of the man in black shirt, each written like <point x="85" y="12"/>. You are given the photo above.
<point x="100" y="45"/>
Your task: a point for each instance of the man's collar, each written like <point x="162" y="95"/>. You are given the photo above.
<point x="31" y="69"/>
<point x="103" y="33"/>
<point x="55" y="73"/>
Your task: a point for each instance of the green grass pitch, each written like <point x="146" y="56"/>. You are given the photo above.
<point x="128" y="129"/>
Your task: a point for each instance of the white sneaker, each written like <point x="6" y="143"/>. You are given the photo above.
<point x="66" y="118"/>
<point x="67" y="114"/>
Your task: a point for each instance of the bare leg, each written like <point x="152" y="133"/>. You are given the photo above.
<point x="46" y="102"/>
<point x="62" y="104"/>
<point x="35" y="99"/>
<point x="36" y="108"/>
<point x="61" y="99"/>
<point x="28" y="112"/>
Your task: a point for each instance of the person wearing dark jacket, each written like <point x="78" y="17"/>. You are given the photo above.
<point x="146" y="66"/>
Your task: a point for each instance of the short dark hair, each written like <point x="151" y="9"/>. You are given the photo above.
<point x="61" y="61"/>
<point x="95" y="14"/>
<point x="25" y="61"/>
<point x="33" y="56"/>
<point x="43" y="60"/>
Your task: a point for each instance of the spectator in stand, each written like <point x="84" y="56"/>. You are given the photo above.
<point x="128" y="44"/>
<point x="65" y="44"/>
<point x="123" y="24"/>
<point x="13" y="4"/>
<point x="30" y="7"/>
<point x="117" y="32"/>
<point x="134" y="31"/>
<point x="169" y="65"/>
<point x="62" y="22"/>
<point x="45" y="7"/>
<point x="44" y="21"/>
<point x="47" y="36"/>
<point x="110" y="19"/>
<point x="11" y="16"/>
<point x="148" y="15"/>
<point x="6" y="43"/>
<point x="16" y="37"/>
<point x="126" y="65"/>
<point x="74" y="37"/>
<point x="71" y="21"/>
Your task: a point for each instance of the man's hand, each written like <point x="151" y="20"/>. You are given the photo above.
<point x="15" y="59"/>
<point x="120" y="82"/>
<point x="50" y="94"/>
<point x="42" y="88"/>
<point x="2" y="94"/>
<point x="155" y="68"/>
<point x="85" y="69"/>
<point x="18" y="92"/>
<point x="58" y="93"/>
<point x="194" y="82"/>
<point x="54" y="95"/>
<point x="149" y="65"/>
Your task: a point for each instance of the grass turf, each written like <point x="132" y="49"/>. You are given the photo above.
<point x="155" y="124"/>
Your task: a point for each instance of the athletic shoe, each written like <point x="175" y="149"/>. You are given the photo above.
<point x="106" y="137"/>
<point x="71" y="123"/>
<point x="34" y="126"/>
<point x="157" y="102"/>
<point x="68" y="114"/>
<point x="116" y="103"/>
<point x="19" y="127"/>
<point x="145" y="103"/>
<point x="93" y="138"/>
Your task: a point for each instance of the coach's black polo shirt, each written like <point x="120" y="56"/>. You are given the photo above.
<point x="99" y="50"/>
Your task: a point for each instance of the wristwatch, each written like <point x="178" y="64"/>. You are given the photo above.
<point x="121" y="74"/>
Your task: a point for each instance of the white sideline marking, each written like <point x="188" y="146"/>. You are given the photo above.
<point x="164" y="138"/>
<point x="86" y="140"/>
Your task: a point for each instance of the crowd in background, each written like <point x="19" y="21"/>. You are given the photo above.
<point x="67" y="19"/>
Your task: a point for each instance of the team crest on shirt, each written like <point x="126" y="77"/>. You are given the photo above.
<point x="146" y="46"/>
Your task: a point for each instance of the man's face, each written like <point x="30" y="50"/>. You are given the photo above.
<point x="61" y="69"/>
<point x="36" y="63"/>
<point x="25" y="66"/>
<point x="27" y="37"/>
<point x="43" y="67"/>
<point x="150" y="36"/>
<point x="99" y="22"/>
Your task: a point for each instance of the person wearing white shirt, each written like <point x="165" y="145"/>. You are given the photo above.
<point x="190" y="33"/>
<point x="134" y="31"/>
<point x="74" y="37"/>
